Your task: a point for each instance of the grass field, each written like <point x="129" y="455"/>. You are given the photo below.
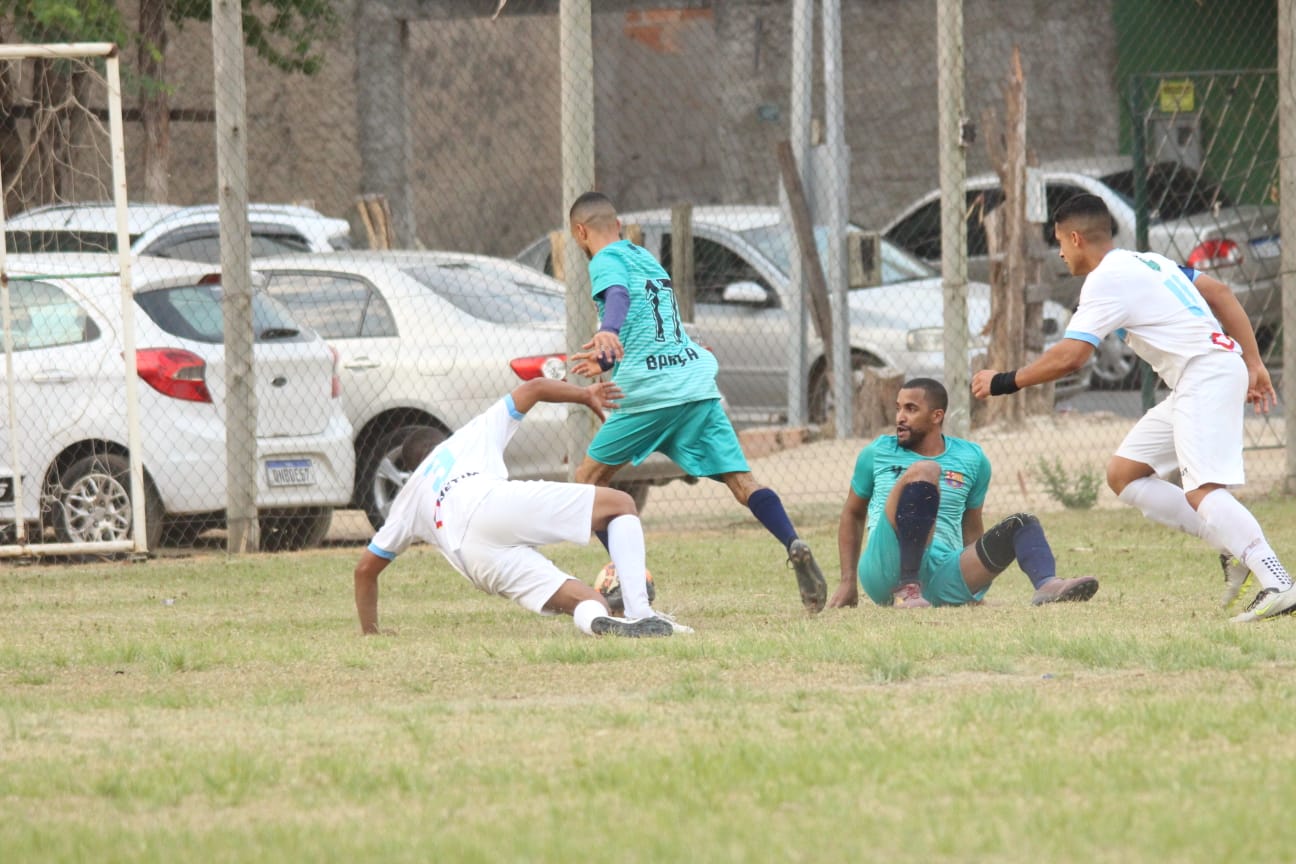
<point x="204" y="709"/>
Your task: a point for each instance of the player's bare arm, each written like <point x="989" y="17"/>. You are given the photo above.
<point x="366" y="590"/>
<point x="598" y="397"/>
<point x="1067" y="356"/>
<point x="850" y="540"/>
<point x="1233" y="318"/>
<point x="973" y="526"/>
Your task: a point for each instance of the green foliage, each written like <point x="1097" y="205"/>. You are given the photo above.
<point x="65" y="21"/>
<point x="284" y="33"/>
<point x="1079" y="493"/>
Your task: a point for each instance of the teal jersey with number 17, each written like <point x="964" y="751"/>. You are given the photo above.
<point x="662" y="366"/>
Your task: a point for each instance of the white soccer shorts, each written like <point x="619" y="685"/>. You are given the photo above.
<point x="1198" y="427"/>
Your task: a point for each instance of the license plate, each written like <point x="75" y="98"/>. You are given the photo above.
<point x="290" y="472"/>
<point x="1267" y="247"/>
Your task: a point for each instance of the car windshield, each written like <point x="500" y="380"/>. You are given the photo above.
<point x="775" y="243"/>
<point x="502" y="295"/>
<point x="1173" y="191"/>
<point x="20" y="240"/>
<point x="194" y="312"/>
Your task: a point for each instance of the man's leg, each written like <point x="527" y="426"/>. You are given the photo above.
<point x="1020" y="538"/>
<point x="1241" y="532"/>
<point x="597" y="473"/>
<point x="767" y="507"/>
<point x="911" y="508"/>
<point x="590" y="614"/>
<point x="616" y="518"/>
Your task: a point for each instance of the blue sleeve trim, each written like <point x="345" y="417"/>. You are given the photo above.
<point x="1190" y="272"/>
<point x="381" y="552"/>
<point x="512" y="408"/>
<point x="1083" y="337"/>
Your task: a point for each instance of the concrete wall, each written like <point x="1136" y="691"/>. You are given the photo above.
<point x="689" y="106"/>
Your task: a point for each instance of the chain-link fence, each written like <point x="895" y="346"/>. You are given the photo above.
<point x="423" y="157"/>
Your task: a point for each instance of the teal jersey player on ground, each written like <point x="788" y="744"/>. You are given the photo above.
<point x="671" y="404"/>
<point x="661" y="366"/>
<point x="919" y="493"/>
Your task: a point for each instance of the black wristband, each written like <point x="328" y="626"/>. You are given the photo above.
<point x="1004" y="383"/>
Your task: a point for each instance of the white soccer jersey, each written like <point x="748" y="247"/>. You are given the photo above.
<point x="1164" y="317"/>
<point x="441" y="495"/>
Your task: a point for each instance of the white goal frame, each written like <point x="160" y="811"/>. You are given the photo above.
<point x="138" y="543"/>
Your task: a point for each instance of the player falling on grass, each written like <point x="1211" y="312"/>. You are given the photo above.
<point x="459" y="498"/>
<point x="671" y="402"/>
<point x="1193" y="333"/>
<point x="921" y="493"/>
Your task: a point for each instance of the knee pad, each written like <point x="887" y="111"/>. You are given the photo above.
<point x="997" y="547"/>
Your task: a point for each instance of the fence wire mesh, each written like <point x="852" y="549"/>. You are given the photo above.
<point x="410" y="167"/>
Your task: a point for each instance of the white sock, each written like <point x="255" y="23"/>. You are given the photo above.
<point x="626" y="545"/>
<point x="584" y="614"/>
<point x="1243" y="537"/>
<point x="1165" y="503"/>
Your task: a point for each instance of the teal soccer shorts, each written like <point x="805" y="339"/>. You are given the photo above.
<point x="942" y="581"/>
<point x="696" y="436"/>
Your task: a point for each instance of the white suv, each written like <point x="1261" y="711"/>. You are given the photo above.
<point x="168" y="231"/>
<point x="71" y="419"/>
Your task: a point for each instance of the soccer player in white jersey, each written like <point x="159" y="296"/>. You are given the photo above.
<point x="459" y="499"/>
<point x="1193" y="333"/>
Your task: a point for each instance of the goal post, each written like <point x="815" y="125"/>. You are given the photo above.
<point x="92" y="180"/>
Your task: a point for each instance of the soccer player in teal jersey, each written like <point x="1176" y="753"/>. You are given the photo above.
<point x="920" y="494"/>
<point x="671" y="402"/>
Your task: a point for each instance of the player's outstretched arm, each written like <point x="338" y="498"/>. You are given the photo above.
<point x="850" y="539"/>
<point x="598" y="397"/>
<point x="366" y="590"/>
<point x="1233" y="318"/>
<point x="1067" y="356"/>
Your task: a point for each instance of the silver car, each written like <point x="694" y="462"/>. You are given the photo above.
<point x="1190" y="221"/>
<point x="431" y="339"/>
<point x="741" y="263"/>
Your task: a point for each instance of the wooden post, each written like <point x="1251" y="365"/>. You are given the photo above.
<point x="375" y="213"/>
<point x="682" y="281"/>
<point x="236" y="279"/>
<point x="557" y="254"/>
<point x="634" y="233"/>
<point x="803" y="229"/>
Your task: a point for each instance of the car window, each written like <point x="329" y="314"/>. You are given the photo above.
<point x="980" y="204"/>
<point x="715" y="266"/>
<point x="500" y="294"/>
<point x="194" y="312"/>
<point x="20" y="240"/>
<point x="206" y="247"/>
<point x="1174" y="191"/>
<point x="44" y="316"/>
<point x="333" y="305"/>
<point x="920" y="232"/>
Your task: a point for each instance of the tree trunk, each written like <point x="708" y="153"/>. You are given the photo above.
<point x="155" y="108"/>
<point x="12" y="146"/>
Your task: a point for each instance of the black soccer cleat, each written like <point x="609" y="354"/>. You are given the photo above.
<point x="644" y="628"/>
<point x="810" y="580"/>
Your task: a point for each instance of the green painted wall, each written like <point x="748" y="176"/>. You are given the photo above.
<point x="1229" y="51"/>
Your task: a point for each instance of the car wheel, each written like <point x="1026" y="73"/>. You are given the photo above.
<point x="1115" y="365"/>
<point x="636" y="490"/>
<point x="92" y="502"/>
<point x="378" y="477"/>
<point x="821" y="401"/>
<point x="288" y="532"/>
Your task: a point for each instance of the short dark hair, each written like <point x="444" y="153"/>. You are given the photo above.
<point x="591" y="204"/>
<point x="937" y="395"/>
<point x="1091" y="212"/>
<point x="417" y="445"/>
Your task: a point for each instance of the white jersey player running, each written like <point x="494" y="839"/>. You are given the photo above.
<point x="459" y="498"/>
<point x="1192" y="331"/>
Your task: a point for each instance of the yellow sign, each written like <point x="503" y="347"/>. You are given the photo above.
<point x="1176" y="96"/>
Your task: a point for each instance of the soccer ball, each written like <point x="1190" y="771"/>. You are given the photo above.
<point x="607" y="584"/>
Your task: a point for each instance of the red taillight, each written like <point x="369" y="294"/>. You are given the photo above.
<point x="1210" y="254"/>
<point x="335" y="390"/>
<point x="546" y="365"/>
<point x="175" y="373"/>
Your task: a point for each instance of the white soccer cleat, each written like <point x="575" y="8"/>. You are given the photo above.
<point x="676" y="627"/>
<point x="1269" y="603"/>
<point x="1237" y="581"/>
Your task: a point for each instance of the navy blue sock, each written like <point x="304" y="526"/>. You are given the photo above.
<point x="602" y="535"/>
<point x="1034" y="555"/>
<point x="766" y="506"/>
<point x="915" y="516"/>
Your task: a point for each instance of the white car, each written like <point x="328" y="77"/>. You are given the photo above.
<point x="1190" y="221"/>
<point x="431" y="339"/>
<point x="741" y="262"/>
<point x="169" y="231"/>
<point x="72" y="423"/>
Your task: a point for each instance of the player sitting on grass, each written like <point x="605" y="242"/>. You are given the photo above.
<point x="458" y="497"/>
<point x="921" y="492"/>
